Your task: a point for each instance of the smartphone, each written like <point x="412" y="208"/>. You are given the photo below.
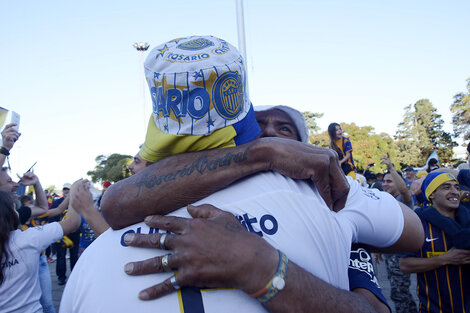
<point x="15" y="118"/>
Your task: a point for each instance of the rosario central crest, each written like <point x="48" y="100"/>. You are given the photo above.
<point x="227" y="95"/>
<point x="196" y="44"/>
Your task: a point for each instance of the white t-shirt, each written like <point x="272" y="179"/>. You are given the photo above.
<point x="20" y="291"/>
<point x="289" y="214"/>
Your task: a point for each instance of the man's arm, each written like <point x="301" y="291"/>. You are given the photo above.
<point x="452" y="257"/>
<point x="397" y="179"/>
<point x="186" y="178"/>
<point x="71" y="222"/>
<point x="41" y="205"/>
<point x="214" y="250"/>
<point x="412" y="236"/>
<point x="58" y="210"/>
<point x="377" y="304"/>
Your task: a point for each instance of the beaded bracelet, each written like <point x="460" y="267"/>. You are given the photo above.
<point x="4" y="151"/>
<point x="276" y="284"/>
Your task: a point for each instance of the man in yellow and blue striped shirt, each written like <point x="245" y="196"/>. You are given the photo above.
<point x="443" y="262"/>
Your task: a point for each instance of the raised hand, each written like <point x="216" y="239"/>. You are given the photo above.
<point x="29" y="179"/>
<point x="10" y="136"/>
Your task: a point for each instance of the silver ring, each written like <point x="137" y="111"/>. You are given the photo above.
<point x="162" y="241"/>
<point x="165" y="264"/>
<point x="174" y="283"/>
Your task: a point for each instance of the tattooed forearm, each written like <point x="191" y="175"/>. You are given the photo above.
<point x="200" y="165"/>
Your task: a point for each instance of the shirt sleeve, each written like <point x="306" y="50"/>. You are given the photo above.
<point x="376" y="216"/>
<point x="42" y="236"/>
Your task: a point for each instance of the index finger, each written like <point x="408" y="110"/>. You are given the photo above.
<point x="172" y="223"/>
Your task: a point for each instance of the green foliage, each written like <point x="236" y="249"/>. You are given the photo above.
<point x="51" y="188"/>
<point x="310" y="118"/>
<point x="321" y="139"/>
<point x="368" y="147"/>
<point x="112" y="168"/>
<point x="420" y="133"/>
<point x="461" y="113"/>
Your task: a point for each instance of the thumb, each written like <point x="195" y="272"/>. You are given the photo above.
<point x="203" y="211"/>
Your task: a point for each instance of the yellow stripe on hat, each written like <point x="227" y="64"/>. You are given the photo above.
<point x="437" y="181"/>
<point x="159" y="145"/>
<point x="3" y="115"/>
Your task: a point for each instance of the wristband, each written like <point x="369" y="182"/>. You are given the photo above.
<point x="4" y="151"/>
<point x="276" y="284"/>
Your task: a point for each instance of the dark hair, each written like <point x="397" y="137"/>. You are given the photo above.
<point x="8" y="223"/>
<point x="25" y="198"/>
<point x="24" y="213"/>
<point x="332" y="133"/>
<point x="468" y="148"/>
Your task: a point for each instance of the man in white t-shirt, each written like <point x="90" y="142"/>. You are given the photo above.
<point x="290" y="215"/>
<point x="276" y="208"/>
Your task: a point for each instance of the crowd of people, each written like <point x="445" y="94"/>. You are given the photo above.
<point x="230" y="209"/>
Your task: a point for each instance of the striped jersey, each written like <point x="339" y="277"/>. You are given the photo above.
<point x="447" y="288"/>
<point x="345" y="145"/>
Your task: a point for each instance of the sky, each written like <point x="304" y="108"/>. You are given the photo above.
<point x="70" y="70"/>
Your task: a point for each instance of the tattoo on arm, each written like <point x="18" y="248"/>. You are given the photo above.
<point x="202" y="165"/>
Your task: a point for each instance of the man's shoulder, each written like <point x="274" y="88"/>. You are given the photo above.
<point x="266" y="182"/>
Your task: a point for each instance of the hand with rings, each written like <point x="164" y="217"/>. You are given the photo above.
<point x="210" y="250"/>
<point x="155" y="265"/>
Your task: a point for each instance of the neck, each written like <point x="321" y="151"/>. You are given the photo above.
<point x="447" y="212"/>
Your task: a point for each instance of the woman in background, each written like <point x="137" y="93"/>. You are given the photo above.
<point x="19" y="254"/>
<point x="342" y="145"/>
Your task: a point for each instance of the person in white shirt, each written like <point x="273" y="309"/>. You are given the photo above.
<point x="290" y="215"/>
<point x="20" y="290"/>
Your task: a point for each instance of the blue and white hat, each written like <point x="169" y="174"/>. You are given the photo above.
<point x="197" y="86"/>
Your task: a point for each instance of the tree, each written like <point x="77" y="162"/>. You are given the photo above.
<point x="420" y="133"/>
<point x="461" y="113"/>
<point x="368" y="147"/>
<point x="310" y="118"/>
<point x="112" y="168"/>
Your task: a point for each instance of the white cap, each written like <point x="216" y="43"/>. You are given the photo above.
<point x="297" y="117"/>
<point x="197" y="85"/>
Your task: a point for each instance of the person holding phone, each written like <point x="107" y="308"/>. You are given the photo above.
<point x="10" y="135"/>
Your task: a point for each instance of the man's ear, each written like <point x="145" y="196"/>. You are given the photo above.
<point x="431" y="197"/>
